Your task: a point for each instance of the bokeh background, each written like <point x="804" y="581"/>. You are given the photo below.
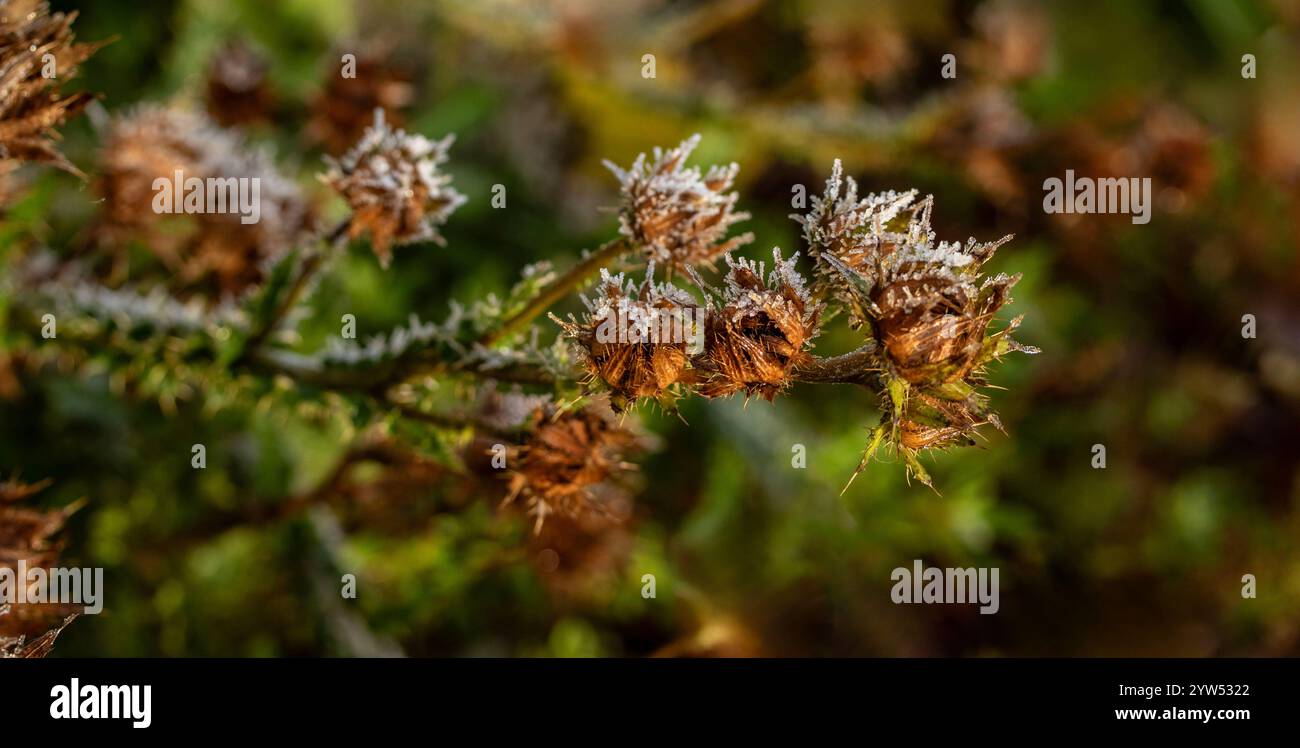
<point x="1140" y="328"/>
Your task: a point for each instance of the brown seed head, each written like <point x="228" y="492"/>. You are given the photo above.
<point x="932" y="324"/>
<point x="678" y="216"/>
<point x="567" y="460"/>
<point x="208" y="251"/>
<point x="30" y="104"/>
<point x="393" y="183"/>
<point x="760" y="332"/>
<point x="633" y="340"/>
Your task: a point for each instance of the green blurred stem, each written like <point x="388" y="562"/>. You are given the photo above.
<point x="311" y="263"/>
<point x="375" y="380"/>
<point x="559" y="288"/>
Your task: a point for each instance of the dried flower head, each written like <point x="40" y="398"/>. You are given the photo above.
<point x="28" y="535"/>
<point x="840" y="225"/>
<point x="678" y="216"/>
<point x="30" y="104"/>
<point x="567" y="462"/>
<point x="344" y="109"/>
<point x="929" y="315"/>
<point x="760" y="332"/>
<point x="393" y="184"/>
<point x="634" y="339"/>
<point x="211" y="251"/>
<point x="926" y="308"/>
<point x="238" y="87"/>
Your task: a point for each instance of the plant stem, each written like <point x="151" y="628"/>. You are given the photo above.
<point x="854" y="367"/>
<point x="558" y="289"/>
<point x="448" y="420"/>
<point x="311" y="263"/>
<point x="375" y="379"/>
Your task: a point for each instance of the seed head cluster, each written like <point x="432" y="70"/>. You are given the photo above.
<point x="923" y="304"/>
<point x="926" y="306"/>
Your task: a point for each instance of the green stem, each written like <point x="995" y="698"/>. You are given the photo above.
<point x="311" y="263"/>
<point x="375" y="379"/>
<point x="558" y="289"/>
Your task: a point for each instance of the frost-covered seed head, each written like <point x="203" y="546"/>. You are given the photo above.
<point x="619" y="339"/>
<point x="679" y="216"/>
<point x="395" y="188"/>
<point x="215" y="248"/>
<point x="760" y="332"/>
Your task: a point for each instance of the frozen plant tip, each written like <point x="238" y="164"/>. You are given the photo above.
<point x="30" y="103"/>
<point x="926" y="307"/>
<point x="679" y="216"/>
<point x="393" y="183"/>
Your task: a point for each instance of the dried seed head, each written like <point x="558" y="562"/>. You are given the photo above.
<point x="567" y="461"/>
<point x="212" y="251"/>
<point x="394" y="186"/>
<point x="30" y="104"/>
<point x="140" y="146"/>
<point x="678" y="216"/>
<point x="932" y="326"/>
<point x="634" y="340"/>
<point x="925" y="306"/>
<point x="29" y="535"/>
<point x="839" y="225"/>
<point x="345" y="108"/>
<point x="929" y="313"/>
<point x="238" y="89"/>
<point x="760" y="332"/>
